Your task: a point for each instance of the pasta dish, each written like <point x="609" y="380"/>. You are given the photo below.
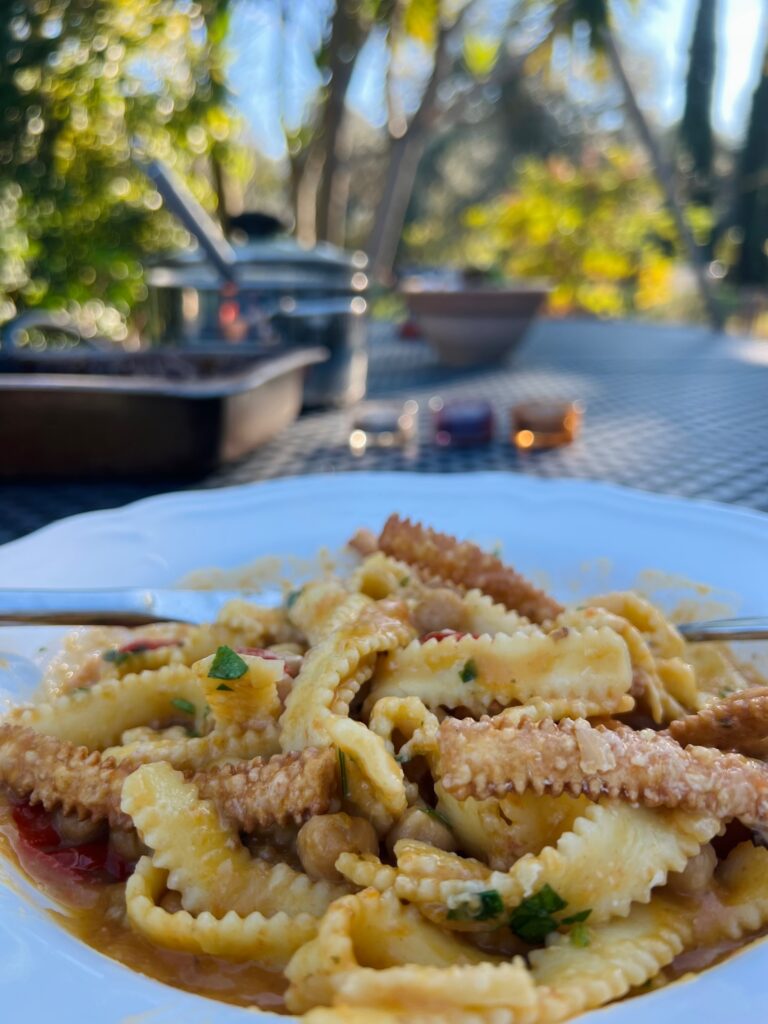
<point x="423" y="791"/>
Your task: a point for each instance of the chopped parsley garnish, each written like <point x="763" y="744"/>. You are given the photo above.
<point x="576" y="918"/>
<point x="82" y="689"/>
<point x="223" y="686"/>
<point x="292" y="598"/>
<point x="402" y="758"/>
<point x="343" y="773"/>
<point x="432" y="813"/>
<point x="489" y="906"/>
<point x="532" y="919"/>
<point x="468" y="672"/>
<point x="579" y="935"/>
<point x="184" y="705"/>
<point x="227" y="664"/>
<point x="405" y="581"/>
<point x="115" y="656"/>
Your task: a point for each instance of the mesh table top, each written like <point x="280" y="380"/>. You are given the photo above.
<point x="669" y="409"/>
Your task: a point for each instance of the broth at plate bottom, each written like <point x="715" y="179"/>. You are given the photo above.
<point x="99" y="921"/>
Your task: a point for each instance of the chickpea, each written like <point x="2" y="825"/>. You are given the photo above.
<point x="73" y="831"/>
<point x="418" y="823"/>
<point x="126" y="843"/>
<point x="697" y="873"/>
<point x="324" y="837"/>
<point x="439" y="608"/>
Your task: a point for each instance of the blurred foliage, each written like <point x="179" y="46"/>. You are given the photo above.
<point x="596" y="228"/>
<point x="80" y="80"/>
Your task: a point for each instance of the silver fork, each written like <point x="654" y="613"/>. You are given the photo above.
<point x="128" y="607"/>
<point x="140" y="605"/>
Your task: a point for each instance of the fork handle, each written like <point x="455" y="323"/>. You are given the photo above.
<point x="726" y="629"/>
<point x="109" y="607"/>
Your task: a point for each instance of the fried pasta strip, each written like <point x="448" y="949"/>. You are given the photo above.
<point x="197" y="753"/>
<point x="490" y="758"/>
<point x="97" y="717"/>
<point x="204" y="858"/>
<point x="592" y="667"/>
<point x="56" y="773"/>
<point x="254" y="794"/>
<point x="466" y="565"/>
<point x="635" y="847"/>
<point x="270" y="941"/>
<point x="737" y="722"/>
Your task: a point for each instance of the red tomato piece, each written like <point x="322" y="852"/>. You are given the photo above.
<point x="140" y="646"/>
<point x="441" y="634"/>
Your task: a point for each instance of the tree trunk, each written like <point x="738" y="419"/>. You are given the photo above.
<point x="666" y="181"/>
<point x="405" y="154"/>
<point x="696" y="127"/>
<point x="348" y="34"/>
<point x="751" y="206"/>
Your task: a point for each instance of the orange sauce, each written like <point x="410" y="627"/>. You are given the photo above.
<point x="95" y="914"/>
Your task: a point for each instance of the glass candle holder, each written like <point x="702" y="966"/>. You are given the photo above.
<point x="462" y="422"/>
<point x="545" y="424"/>
<point x="383" y="425"/>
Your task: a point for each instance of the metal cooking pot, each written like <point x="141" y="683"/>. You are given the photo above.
<point x="281" y="294"/>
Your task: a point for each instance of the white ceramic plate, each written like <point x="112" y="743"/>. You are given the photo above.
<point x="574" y="535"/>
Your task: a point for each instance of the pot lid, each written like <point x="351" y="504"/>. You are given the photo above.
<point x="277" y="251"/>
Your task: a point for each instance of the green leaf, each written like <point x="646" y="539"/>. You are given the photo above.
<point x="579" y="935"/>
<point x="480" y="54"/>
<point x="343" y="773"/>
<point x="292" y="598"/>
<point x="227" y="664"/>
<point x="223" y="686"/>
<point x="432" y="813"/>
<point x="532" y="919"/>
<point x="491" y="905"/>
<point x="576" y="918"/>
<point x="184" y="705"/>
<point x="468" y="672"/>
<point x="114" y="656"/>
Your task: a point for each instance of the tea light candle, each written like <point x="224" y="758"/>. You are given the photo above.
<point x="462" y="422"/>
<point x="546" y="424"/>
<point x="383" y="425"/>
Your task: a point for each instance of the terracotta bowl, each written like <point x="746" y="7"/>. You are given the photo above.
<point x="475" y="326"/>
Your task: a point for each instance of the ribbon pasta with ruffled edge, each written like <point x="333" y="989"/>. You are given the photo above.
<point x="515" y="870"/>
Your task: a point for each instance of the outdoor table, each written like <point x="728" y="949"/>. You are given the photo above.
<point x="672" y="409"/>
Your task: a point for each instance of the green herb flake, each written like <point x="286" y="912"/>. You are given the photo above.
<point x="458" y="913"/>
<point x="468" y="672"/>
<point x="402" y="758"/>
<point x="532" y="919"/>
<point x="491" y="905"/>
<point x="227" y="664"/>
<point x="343" y="773"/>
<point x="579" y="935"/>
<point x="723" y="693"/>
<point x="193" y="733"/>
<point x="223" y="686"/>
<point x="82" y="689"/>
<point x="114" y="656"/>
<point x="576" y="918"/>
<point x="405" y="581"/>
<point x="292" y="598"/>
<point x="432" y="813"/>
<point x="184" y="705"/>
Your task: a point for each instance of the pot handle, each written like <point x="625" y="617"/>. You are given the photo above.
<point x="47" y="319"/>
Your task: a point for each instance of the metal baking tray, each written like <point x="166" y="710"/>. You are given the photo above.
<point x="131" y="420"/>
